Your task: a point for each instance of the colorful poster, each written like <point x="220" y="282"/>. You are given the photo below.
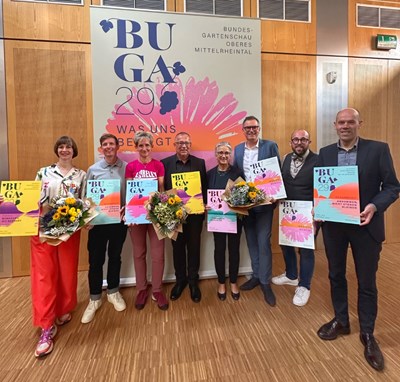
<point x="219" y="217"/>
<point x="188" y="186"/>
<point x="296" y="224"/>
<point x="147" y="75"/>
<point x="137" y="193"/>
<point x="19" y="213"/>
<point x="266" y="174"/>
<point x="105" y="193"/>
<point x="336" y="194"/>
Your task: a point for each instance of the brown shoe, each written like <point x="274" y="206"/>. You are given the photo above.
<point x="332" y="329"/>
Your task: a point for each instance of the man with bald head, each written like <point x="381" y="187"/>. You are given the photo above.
<point x="379" y="188"/>
<point x="297" y="175"/>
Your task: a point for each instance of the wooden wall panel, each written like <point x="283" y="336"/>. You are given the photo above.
<point x="393" y="138"/>
<point x="368" y="81"/>
<point x="289" y="37"/>
<point x="49" y="22"/>
<point x="48" y="95"/>
<point x="362" y="40"/>
<point x="288" y="103"/>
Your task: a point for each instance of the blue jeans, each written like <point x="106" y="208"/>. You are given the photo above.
<point x="257" y="227"/>
<point x="307" y="261"/>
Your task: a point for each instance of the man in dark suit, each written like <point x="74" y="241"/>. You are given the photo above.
<point x="258" y="224"/>
<point x="379" y="188"/>
<point x="186" y="248"/>
<point x="297" y="175"/>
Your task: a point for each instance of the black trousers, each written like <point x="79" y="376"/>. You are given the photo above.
<point x="104" y="238"/>
<point x="366" y="253"/>
<point x="186" y="250"/>
<point x="233" y="250"/>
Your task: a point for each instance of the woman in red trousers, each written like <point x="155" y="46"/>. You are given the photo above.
<point x="54" y="268"/>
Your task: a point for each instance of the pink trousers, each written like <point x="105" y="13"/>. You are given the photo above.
<point x="54" y="272"/>
<point x="138" y="237"/>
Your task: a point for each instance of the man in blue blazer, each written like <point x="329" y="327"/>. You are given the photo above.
<point x="379" y="188"/>
<point x="258" y="224"/>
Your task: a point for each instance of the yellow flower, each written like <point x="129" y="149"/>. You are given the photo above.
<point x="72" y="211"/>
<point x="72" y="218"/>
<point x="251" y="184"/>
<point x="70" y="201"/>
<point x="179" y="214"/>
<point x="252" y="194"/>
<point x="177" y="199"/>
<point x="171" y="200"/>
<point x="63" y="210"/>
<point x="78" y="211"/>
<point x="240" y="184"/>
<point x="56" y="216"/>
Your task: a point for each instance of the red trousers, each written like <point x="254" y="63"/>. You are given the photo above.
<point x="54" y="273"/>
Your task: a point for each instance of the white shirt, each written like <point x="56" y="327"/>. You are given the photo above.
<point x="250" y="156"/>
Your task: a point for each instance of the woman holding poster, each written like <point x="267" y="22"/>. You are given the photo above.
<point x="54" y="268"/>
<point x="217" y="178"/>
<point x="145" y="167"/>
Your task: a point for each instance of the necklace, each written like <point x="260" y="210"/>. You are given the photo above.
<point x="222" y="172"/>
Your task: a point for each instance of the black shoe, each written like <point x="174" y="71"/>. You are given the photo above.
<point x="195" y="292"/>
<point x="177" y="290"/>
<point x="269" y="296"/>
<point x="221" y="296"/>
<point x="372" y="353"/>
<point x="250" y="284"/>
<point x="235" y="296"/>
<point x="332" y="329"/>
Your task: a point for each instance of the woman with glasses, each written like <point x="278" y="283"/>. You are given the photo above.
<point x="217" y="178"/>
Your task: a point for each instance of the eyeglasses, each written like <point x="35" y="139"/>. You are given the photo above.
<point x="297" y="140"/>
<point x="248" y="128"/>
<point x="182" y="143"/>
<point x="223" y="153"/>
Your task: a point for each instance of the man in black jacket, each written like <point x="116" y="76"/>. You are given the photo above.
<point x="297" y="174"/>
<point x="186" y="248"/>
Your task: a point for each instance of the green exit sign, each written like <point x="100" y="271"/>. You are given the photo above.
<point x="386" y="42"/>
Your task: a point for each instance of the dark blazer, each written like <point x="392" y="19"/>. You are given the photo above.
<point x="233" y="173"/>
<point x="194" y="164"/>
<point x="377" y="179"/>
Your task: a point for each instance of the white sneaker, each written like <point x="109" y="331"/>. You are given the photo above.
<point x="283" y="280"/>
<point x="90" y="311"/>
<point x="117" y="300"/>
<point x="301" y="296"/>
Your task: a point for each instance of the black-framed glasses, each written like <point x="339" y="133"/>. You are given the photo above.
<point x="299" y="140"/>
<point x="182" y="143"/>
<point x="223" y="153"/>
<point x="248" y="128"/>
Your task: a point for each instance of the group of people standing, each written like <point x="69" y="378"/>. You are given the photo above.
<point x="54" y="269"/>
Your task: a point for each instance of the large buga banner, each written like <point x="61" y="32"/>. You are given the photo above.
<point x="169" y="72"/>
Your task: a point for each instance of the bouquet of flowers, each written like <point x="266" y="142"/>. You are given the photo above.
<point x="167" y="213"/>
<point x="241" y="196"/>
<point x="62" y="217"/>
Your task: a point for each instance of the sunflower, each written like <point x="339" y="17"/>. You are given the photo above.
<point x="179" y="214"/>
<point x="63" y="210"/>
<point x="171" y="200"/>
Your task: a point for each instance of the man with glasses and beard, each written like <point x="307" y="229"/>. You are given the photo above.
<point x="297" y="174"/>
<point x="186" y="248"/>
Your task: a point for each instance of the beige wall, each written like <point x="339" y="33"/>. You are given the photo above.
<point x="48" y="84"/>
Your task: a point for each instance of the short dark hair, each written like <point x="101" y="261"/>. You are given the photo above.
<point x="249" y="118"/>
<point x="107" y="136"/>
<point x="66" y="140"/>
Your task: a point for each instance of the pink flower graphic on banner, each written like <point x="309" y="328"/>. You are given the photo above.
<point x="297" y="228"/>
<point x="166" y="109"/>
<point x="270" y="182"/>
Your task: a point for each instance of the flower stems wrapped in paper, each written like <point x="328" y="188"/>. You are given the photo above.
<point x="241" y="196"/>
<point x="64" y="216"/>
<point x="167" y="213"/>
